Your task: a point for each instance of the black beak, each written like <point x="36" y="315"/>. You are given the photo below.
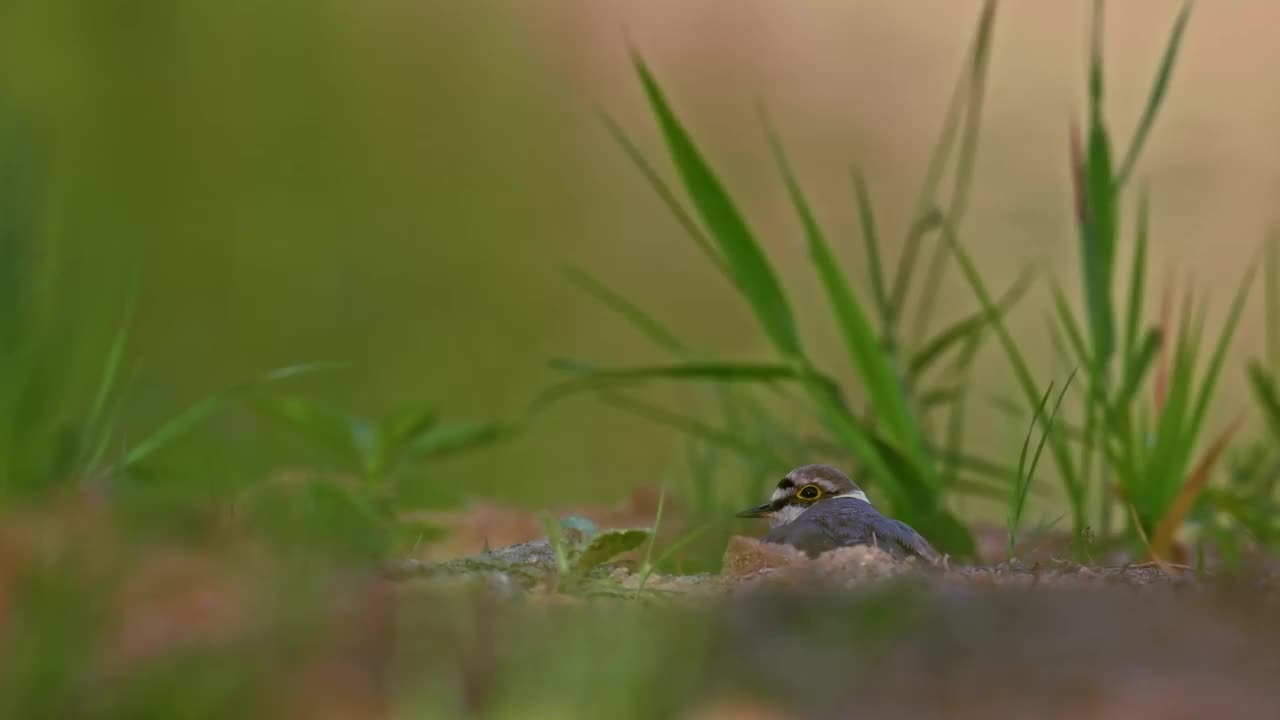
<point x="758" y="511"/>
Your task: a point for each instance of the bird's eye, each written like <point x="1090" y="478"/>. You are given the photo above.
<point x="809" y="492"/>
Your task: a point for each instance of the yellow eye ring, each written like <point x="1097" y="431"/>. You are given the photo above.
<point x="809" y="492"/>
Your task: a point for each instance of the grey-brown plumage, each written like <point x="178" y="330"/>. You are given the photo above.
<point x="817" y="508"/>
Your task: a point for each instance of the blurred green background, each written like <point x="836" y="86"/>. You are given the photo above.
<point x="398" y="185"/>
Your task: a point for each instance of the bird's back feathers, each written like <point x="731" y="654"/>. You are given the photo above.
<point x="842" y="522"/>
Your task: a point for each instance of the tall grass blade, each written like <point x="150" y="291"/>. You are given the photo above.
<point x="1022" y="374"/>
<point x="665" y="194"/>
<point x="1158" y="89"/>
<point x="937" y="346"/>
<point x="627" y="310"/>
<point x="694" y="428"/>
<point x="880" y="380"/>
<point x="1143" y="359"/>
<point x="1137" y="288"/>
<point x="1067" y="319"/>
<point x="745" y="260"/>
<point x="717" y="371"/>
<point x="871" y="241"/>
<point x="1220" y="349"/>
<point x="965" y="162"/>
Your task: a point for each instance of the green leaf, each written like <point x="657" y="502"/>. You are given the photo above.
<point x="393" y="435"/>
<point x="456" y="437"/>
<point x="747" y="264"/>
<point x="327" y="428"/>
<point x="606" y="546"/>
<point x="407" y="424"/>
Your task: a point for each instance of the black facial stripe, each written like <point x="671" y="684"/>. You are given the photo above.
<point x="785" y="483"/>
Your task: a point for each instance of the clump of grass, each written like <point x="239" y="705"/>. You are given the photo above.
<point x="1243" y="510"/>
<point x="1022" y="488"/>
<point x="890" y="440"/>
<point x="1125" y="455"/>
<point x="1120" y="454"/>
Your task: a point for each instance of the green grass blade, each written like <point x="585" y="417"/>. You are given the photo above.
<point x="957" y="413"/>
<point x="110" y="377"/>
<point x="665" y="193"/>
<point x="1143" y="360"/>
<point x="330" y="429"/>
<point x="1263" y="385"/>
<point x="871" y="241"/>
<point x="1158" y="89"/>
<point x="1214" y="368"/>
<point x="1019" y="499"/>
<point x="646" y="566"/>
<point x="880" y="380"/>
<point x="719" y="371"/>
<point x="1048" y="429"/>
<point x="1137" y="285"/>
<point x="1070" y="326"/>
<point x="190" y="418"/>
<point x="693" y="427"/>
<point x="965" y="163"/>
<point x="1173" y="437"/>
<point x="747" y="263"/>
<point x="456" y="437"/>
<point x="1097" y="214"/>
<point x="627" y="310"/>
<point x="937" y="346"/>
<point x="590" y="377"/>
<point x="1021" y="373"/>
<point x="1097" y="240"/>
<point x="1095" y="59"/>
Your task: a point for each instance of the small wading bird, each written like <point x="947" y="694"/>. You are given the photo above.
<point x="817" y="508"/>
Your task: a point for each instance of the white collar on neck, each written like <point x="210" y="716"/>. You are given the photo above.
<point x="855" y="494"/>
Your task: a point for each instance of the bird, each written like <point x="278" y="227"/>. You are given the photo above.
<point x="817" y="508"/>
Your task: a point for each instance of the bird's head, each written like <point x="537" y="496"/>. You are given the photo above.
<point x="800" y="490"/>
